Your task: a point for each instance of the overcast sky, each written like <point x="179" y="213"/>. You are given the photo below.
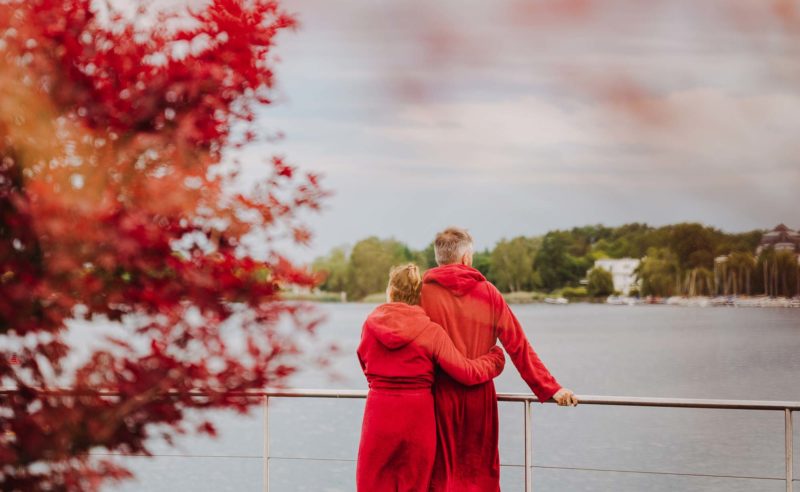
<point x="510" y="119"/>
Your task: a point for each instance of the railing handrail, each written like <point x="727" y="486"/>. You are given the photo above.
<point x="636" y="401"/>
<point x="787" y="407"/>
<point x="584" y="399"/>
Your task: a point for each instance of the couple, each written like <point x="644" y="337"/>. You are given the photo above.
<point x="429" y="356"/>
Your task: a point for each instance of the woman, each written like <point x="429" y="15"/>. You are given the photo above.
<point x="398" y="350"/>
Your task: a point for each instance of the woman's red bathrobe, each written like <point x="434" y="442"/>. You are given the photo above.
<point x="398" y="350"/>
<point x="475" y="316"/>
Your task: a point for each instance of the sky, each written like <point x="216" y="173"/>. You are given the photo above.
<point x="514" y="118"/>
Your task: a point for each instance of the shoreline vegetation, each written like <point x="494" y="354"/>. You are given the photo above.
<point x="517" y="298"/>
<point x="683" y="264"/>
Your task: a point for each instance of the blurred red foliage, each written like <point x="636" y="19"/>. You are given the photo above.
<point x="116" y="204"/>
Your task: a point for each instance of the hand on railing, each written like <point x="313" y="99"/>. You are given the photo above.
<point x="566" y="398"/>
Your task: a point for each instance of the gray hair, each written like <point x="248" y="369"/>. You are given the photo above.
<point x="451" y="245"/>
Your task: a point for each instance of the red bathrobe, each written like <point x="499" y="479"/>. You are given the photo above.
<point x="398" y="349"/>
<point x="475" y="315"/>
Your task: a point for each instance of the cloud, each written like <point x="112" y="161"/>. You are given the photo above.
<point x="623" y="111"/>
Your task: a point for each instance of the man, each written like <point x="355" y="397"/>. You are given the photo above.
<point x="475" y="315"/>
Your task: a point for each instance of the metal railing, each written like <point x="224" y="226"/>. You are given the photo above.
<point x="526" y="399"/>
<point x="788" y="408"/>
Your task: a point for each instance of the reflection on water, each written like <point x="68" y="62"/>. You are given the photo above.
<point x="594" y="349"/>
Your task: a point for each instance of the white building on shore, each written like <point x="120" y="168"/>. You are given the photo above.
<point x="623" y="272"/>
<point x="780" y="239"/>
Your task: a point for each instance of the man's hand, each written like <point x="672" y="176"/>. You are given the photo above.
<point x="566" y="398"/>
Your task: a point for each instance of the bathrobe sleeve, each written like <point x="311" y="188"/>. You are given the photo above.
<point x="524" y="358"/>
<point x="466" y="371"/>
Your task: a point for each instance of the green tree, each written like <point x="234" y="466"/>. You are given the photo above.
<point x="744" y="242"/>
<point x="335" y="268"/>
<point x="583" y="239"/>
<point x="555" y="265"/>
<point x="779" y="272"/>
<point x="425" y="258"/>
<point x="693" y="245"/>
<point x="482" y="261"/>
<point x="659" y="273"/>
<point x="699" y="281"/>
<point x="737" y="273"/>
<point x="512" y="264"/>
<point x="370" y="262"/>
<point x="787" y="271"/>
<point x="601" y="283"/>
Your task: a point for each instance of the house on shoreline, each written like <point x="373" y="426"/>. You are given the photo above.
<point x="623" y="272"/>
<point x="780" y="239"/>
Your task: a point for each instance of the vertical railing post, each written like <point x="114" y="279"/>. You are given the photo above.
<point x="528" y="448"/>
<point x="266" y="443"/>
<point x="789" y="449"/>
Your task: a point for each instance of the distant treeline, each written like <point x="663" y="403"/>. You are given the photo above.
<point x="677" y="259"/>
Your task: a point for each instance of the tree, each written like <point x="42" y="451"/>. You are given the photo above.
<point x="786" y="268"/>
<point x="556" y="267"/>
<point x="693" y="246"/>
<point x="482" y="261"/>
<point x="333" y="268"/>
<point x="699" y="281"/>
<point x="584" y="238"/>
<point x="512" y="264"/>
<point x="739" y="269"/>
<point x="629" y="240"/>
<point x="745" y="242"/>
<point x="116" y="205"/>
<point x="659" y="273"/>
<point x="779" y="271"/>
<point x="425" y="258"/>
<point x="370" y="262"/>
<point x="601" y="283"/>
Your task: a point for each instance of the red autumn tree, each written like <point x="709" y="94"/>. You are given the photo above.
<point x="116" y="205"/>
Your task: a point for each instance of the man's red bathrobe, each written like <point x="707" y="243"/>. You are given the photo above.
<point x="475" y="315"/>
<point x="398" y="349"/>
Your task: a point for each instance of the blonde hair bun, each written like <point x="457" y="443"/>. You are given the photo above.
<point x="405" y="284"/>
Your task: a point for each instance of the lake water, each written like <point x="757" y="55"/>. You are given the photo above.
<point x="657" y="351"/>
